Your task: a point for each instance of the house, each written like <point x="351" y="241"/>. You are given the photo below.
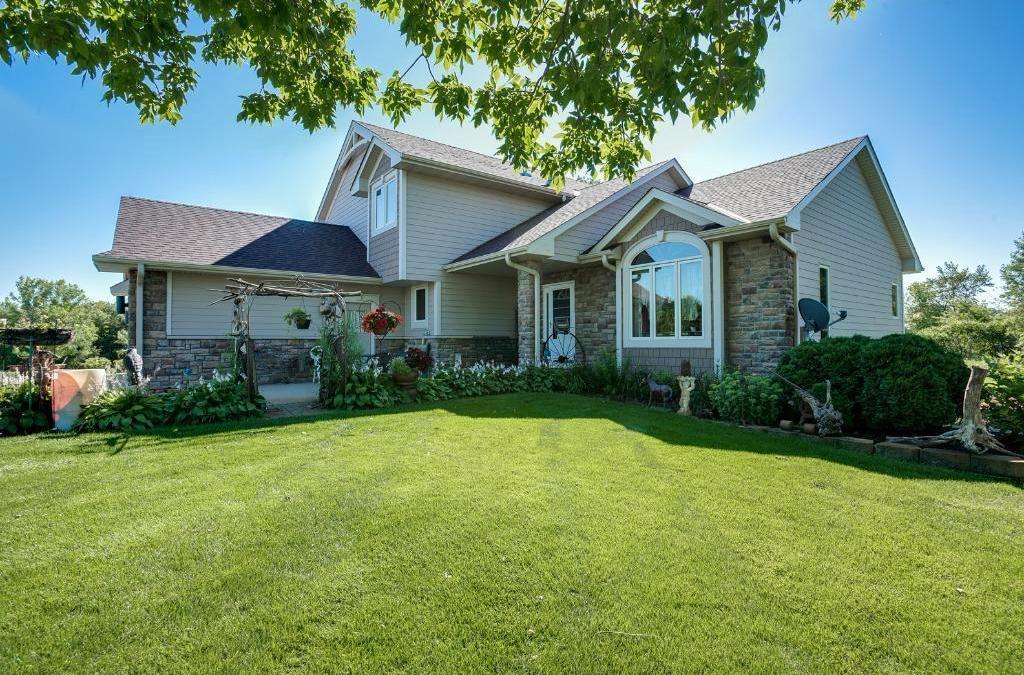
<point x="487" y="262"/>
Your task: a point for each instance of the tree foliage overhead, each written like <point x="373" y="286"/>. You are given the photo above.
<point x="99" y="332"/>
<point x="599" y="72"/>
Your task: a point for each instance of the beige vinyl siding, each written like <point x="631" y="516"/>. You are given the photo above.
<point x="348" y="209"/>
<point x="192" y="315"/>
<point x="843" y="229"/>
<point x="445" y="218"/>
<point x="383" y="253"/>
<point x="477" y="304"/>
<point x="589" y="231"/>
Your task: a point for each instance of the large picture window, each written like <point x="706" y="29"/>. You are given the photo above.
<point x="668" y="281"/>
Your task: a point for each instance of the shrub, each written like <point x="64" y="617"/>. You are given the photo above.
<point x="19" y="410"/>
<point x="912" y="385"/>
<point x="419" y="359"/>
<point x="367" y="387"/>
<point x="1004" y="396"/>
<point x="127" y="409"/>
<point x="838" y="359"/>
<point x="747" y="398"/>
<point x="621" y="381"/>
<point x="399" y="367"/>
<point x="701" y="403"/>
<point x="218" y="400"/>
<point x="97" y="362"/>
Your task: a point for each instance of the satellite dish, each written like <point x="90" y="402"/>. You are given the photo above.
<point x="817" y="317"/>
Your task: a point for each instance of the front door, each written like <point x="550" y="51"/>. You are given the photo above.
<point x="559" y="321"/>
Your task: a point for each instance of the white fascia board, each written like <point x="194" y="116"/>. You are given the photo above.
<point x="331" y="191"/>
<point x="481" y="259"/>
<point x="546" y="240"/>
<point x="683" y="208"/>
<point x="917" y="266"/>
<point x="678" y="168"/>
<point x="793" y="217"/>
<point x="116" y="264"/>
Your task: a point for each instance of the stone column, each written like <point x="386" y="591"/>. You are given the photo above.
<point x="525" y="309"/>
<point x="759" y="304"/>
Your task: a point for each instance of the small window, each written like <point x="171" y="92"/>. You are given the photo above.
<point x="823" y="291"/>
<point x="419" y="301"/>
<point x="895" y="300"/>
<point x="385" y="204"/>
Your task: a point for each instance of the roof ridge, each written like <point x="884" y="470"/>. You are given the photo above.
<point x="217" y="208"/>
<point x="783" y="159"/>
<point x="448" y="145"/>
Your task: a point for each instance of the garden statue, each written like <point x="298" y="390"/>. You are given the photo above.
<point x="654" y="388"/>
<point x="687" y="383"/>
<point x="133" y="366"/>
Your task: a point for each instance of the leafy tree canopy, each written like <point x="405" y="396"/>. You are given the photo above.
<point x="1013" y="277"/>
<point x="604" y="71"/>
<point x="44" y="303"/>
<point x="951" y="287"/>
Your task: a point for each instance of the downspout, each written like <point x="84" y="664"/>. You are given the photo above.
<point x="536" y="302"/>
<point x="618" y="306"/>
<point x="140" y="276"/>
<point x="773" y="232"/>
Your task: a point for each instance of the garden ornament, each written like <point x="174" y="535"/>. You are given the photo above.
<point x="662" y="391"/>
<point x="687" y="383"/>
<point x="133" y="366"/>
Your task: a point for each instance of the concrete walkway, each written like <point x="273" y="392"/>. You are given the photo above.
<point x="291" y="400"/>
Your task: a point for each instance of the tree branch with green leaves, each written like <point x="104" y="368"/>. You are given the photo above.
<point x="570" y="86"/>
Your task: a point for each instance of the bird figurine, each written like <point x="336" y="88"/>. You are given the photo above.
<point x="133" y="366"/>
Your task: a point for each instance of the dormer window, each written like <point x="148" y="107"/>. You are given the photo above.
<point x="385" y="203"/>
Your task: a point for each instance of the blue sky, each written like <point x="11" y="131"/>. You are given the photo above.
<point x="937" y="85"/>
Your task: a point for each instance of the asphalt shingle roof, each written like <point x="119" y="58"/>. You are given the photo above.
<point x="540" y="224"/>
<point x="770" y="190"/>
<point x="155" y="231"/>
<point x="415" y="147"/>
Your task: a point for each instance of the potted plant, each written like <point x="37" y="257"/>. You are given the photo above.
<point x="403" y="374"/>
<point x="298" y="317"/>
<point x="380" y="321"/>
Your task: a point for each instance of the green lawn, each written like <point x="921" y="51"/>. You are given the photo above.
<point x="518" y="532"/>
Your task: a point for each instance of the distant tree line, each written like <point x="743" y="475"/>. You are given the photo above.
<point x="100" y="333"/>
<point x="952" y="308"/>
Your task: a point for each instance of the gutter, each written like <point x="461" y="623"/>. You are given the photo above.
<point x="773" y="232"/>
<point x="536" y="302"/>
<point x="106" y="263"/>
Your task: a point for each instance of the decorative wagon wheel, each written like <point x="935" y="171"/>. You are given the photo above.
<point x="562" y="348"/>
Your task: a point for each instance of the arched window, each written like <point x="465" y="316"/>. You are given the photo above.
<point x="668" y="284"/>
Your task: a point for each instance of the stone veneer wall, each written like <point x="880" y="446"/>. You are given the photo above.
<point x="759" y="304"/>
<point x="495" y="349"/>
<point x="278" y="360"/>
<point x="595" y="306"/>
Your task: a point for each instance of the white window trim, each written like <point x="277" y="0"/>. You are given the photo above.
<point x="383" y="181"/>
<point x="687" y="342"/>
<point x="545" y="290"/>
<point x="413" y="321"/>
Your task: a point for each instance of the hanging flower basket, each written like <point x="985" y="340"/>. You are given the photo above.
<point x="380" y="321"/>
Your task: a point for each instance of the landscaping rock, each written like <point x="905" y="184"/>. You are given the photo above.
<point x="951" y="459"/>
<point x="998" y="465"/>
<point x="904" y="451"/>
<point x="864" y="445"/>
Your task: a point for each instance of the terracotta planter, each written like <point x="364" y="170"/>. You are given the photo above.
<point x="406" y="379"/>
<point x="380" y="332"/>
